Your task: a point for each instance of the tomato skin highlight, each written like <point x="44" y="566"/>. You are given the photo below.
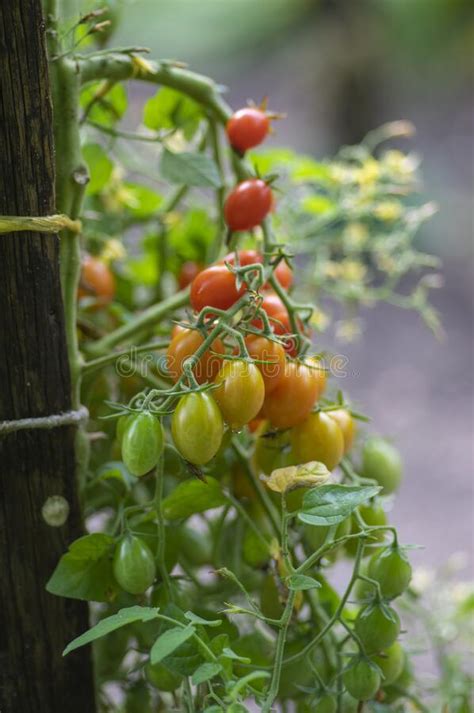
<point x="241" y="392"/>
<point x="134" y="565"/>
<point x="265" y="349"/>
<point x="362" y="681"/>
<point x="247" y="128"/>
<point x="381" y="461"/>
<point x="183" y="345"/>
<point x="392" y="570"/>
<point x="318" y="438"/>
<point x="197" y="427"/>
<point x="96" y="280"/>
<point x="375" y="629"/>
<point x="291" y="401"/>
<point x="346" y="423"/>
<point x="189" y="270"/>
<point x="215" y="287"/>
<point x="248" y="204"/>
<point x="142" y="443"/>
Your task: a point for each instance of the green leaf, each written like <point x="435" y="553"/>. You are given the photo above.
<point x="299" y="582"/>
<point x="106" y="110"/>
<point x="85" y="571"/>
<point x="195" y="619"/>
<point x="111" y="623"/>
<point x="169" y="641"/>
<point x="169" y="109"/>
<point x="141" y="201"/>
<point x="193" y="496"/>
<point x="205" y="672"/>
<point x="331" y="504"/>
<point x="189" y="169"/>
<point x="229" y="654"/>
<point x="100" y="167"/>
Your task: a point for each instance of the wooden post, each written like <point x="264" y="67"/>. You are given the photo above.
<point x="34" y="381"/>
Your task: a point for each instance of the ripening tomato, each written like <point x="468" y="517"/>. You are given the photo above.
<point x="378" y="627"/>
<point x="318" y="438"/>
<point x="248" y="204"/>
<point x="391" y="663"/>
<point x="96" y="280"/>
<point x="272" y="450"/>
<point x="177" y="329"/>
<point x="270" y="352"/>
<point x="279" y="320"/>
<point x="247" y="128"/>
<point x="362" y="680"/>
<point x="183" y="345"/>
<point x="293" y="398"/>
<point x="142" y="443"/>
<point x="189" y="270"/>
<point x="392" y="570"/>
<point x="346" y="423"/>
<point x="215" y="287"/>
<point x="197" y="427"/>
<point x="134" y="565"/>
<point x="162" y="678"/>
<point x="381" y="461"/>
<point x="282" y="272"/>
<point x="240" y="392"/>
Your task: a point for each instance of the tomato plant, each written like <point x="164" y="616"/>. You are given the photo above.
<point x="220" y="465"/>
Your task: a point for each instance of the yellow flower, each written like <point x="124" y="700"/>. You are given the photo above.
<point x="113" y="250"/>
<point x="355" y="235"/>
<point x="388" y="210"/>
<point x="342" y="173"/>
<point x="352" y="270"/>
<point x="368" y="173"/>
<point x="347" y="330"/>
<point x="319" y="319"/>
<point x="306" y="475"/>
<point x="400" y="165"/>
<point x="330" y="269"/>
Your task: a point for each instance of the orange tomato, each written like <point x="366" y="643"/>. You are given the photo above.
<point x="347" y="425"/>
<point x="183" y="345"/>
<point x="96" y="280"/>
<point x="294" y="396"/>
<point x="264" y="349"/>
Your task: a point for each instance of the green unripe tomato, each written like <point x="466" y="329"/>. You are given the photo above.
<point x="197" y="427"/>
<point x="142" y="443"/>
<point x="162" y="678"/>
<point x="134" y="565"/>
<point x="391" y="663"/>
<point x="362" y="681"/>
<point x="272" y="450"/>
<point x="122" y="424"/>
<point x="381" y="461"/>
<point x="403" y="682"/>
<point x="372" y="515"/>
<point x="378" y="627"/>
<point x="316" y="535"/>
<point x="326" y="704"/>
<point x="392" y="570"/>
<point x="349" y="704"/>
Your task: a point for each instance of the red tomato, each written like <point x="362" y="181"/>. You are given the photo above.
<point x="293" y="398"/>
<point x="283" y="272"/>
<point x="183" y="345"/>
<point x="279" y="319"/>
<point x="215" y="287"/>
<point x="247" y="128"/>
<point x="248" y="204"/>
<point x="264" y="349"/>
<point x="96" y="280"/>
<point x="189" y="270"/>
